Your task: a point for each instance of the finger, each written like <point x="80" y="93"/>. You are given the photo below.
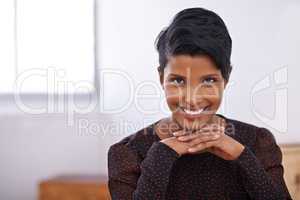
<point x="214" y="128"/>
<point x="182" y="133"/>
<point x="202" y="146"/>
<point x="204" y="130"/>
<point x="185" y="138"/>
<point x="178" y="133"/>
<point x="203" y="139"/>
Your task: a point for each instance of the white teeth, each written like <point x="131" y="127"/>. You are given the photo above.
<point x="193" y="112"/>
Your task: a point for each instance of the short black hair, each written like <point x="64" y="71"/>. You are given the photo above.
<point x="196" y="31"/>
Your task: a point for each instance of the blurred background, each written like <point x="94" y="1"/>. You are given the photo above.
<point x="77" y="76"/>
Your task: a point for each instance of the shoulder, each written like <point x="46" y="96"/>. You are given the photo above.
<point x="250" y="134"/>
<point x="136" y="143"/>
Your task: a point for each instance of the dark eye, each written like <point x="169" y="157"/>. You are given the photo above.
<point x="177" y="81"/>
<point x="209" y="80"/>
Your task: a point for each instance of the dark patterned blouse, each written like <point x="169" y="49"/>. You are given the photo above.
<point x="142" y="168"/>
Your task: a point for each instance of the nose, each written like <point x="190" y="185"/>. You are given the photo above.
<point x="192" y="98"/>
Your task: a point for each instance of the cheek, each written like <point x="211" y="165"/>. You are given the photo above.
<point x="173" y="95"/>
<point x="214" y="97"/>
<point x="213" y="93"/>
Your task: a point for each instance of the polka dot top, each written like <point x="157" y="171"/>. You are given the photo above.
<point x="142" y="168"/>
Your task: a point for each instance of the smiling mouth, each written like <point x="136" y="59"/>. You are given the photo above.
<point x="194" y="113"/>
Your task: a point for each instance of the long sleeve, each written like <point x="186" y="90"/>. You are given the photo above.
<point x="261" y="169"/>
<point x="131" y="178"/>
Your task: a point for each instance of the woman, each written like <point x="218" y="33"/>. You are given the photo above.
<point x="196" y="153"/>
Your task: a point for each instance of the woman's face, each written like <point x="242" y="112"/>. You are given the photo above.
<point x="193" y="87"/>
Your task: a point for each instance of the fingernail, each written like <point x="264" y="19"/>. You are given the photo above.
<point x="180" y="138"/>
<point x="191" y="150"/>
<point x="216" y="136"/>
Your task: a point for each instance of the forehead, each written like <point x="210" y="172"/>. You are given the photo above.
<point x="193" y="65"/>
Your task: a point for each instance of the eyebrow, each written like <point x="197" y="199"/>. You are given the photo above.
<point x="177" y="75"/>
<point x="204" y="76"/>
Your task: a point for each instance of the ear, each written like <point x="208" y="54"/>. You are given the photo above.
<point x="161" y="76"/>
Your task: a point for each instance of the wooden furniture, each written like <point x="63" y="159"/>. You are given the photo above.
<point x="291" y="163"/>
<point x="74" y="187"/>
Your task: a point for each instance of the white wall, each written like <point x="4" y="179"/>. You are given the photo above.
<point x="265" y="38"/>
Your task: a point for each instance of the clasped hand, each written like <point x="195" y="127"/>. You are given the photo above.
<point x="211" y="138"/>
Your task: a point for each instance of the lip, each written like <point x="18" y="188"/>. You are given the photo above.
<point x="194" y="116"/>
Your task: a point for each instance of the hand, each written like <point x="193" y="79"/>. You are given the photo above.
<point x="213" y="139"/>
<point x="177" y="145"/>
